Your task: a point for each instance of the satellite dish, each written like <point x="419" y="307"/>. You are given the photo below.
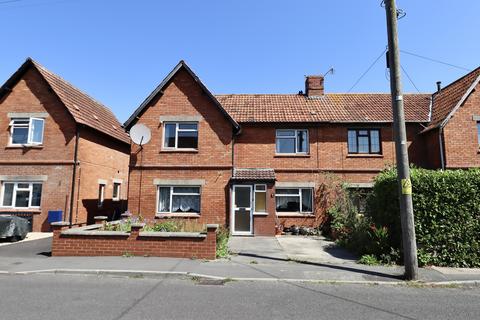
<point x="140" y="134"/>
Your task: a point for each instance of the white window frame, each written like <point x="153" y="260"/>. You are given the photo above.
<point x="14" y="194"/>
<point x="178" y="194"/>
<point x="296" y="141"/>
<point x="299" y="194"/>
<point x="30" y="132"/>
<point x="101" y="194"/>
<point x="255" y="190"/>
<point x="177" y="130"/>
<point x="119" y="193"/>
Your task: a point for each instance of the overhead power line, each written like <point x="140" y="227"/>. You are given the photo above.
<point x="409" y="78"/>
<point x="368" y="69"/>
<point x="434" y="60"/>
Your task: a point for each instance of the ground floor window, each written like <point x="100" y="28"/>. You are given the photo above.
<point x="260" y="198"/>
<point x="116" y="191"/>
<point x="178" y="199"/>
<point x="358" y="197"/>
<point x="21" y="194"/>
<point x="101" y="194"/>
<point x="294" y="200"/>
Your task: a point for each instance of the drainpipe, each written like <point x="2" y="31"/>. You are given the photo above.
<point x="74" y="174"/>
<point x="440" y="142"/>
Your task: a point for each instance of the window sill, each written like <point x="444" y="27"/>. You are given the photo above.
<point x="16" y="210"/>
<point x="264" y="214"/>
<point x="291" y="155"/>
<point x="179" y="151"/>
<point x="364" y="155"/>
<point x="295" y="214"/>
<point x="25" y="146"/>
<point x="177" y="215"/>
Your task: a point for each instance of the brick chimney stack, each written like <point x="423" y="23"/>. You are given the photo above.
<point x="314" y="86"/>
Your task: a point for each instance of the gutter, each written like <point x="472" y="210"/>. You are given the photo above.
<point x="74" y="176"/>
<point x="440" y="141"/>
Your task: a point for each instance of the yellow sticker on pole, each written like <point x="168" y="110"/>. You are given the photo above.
<point x="406" y="186"/>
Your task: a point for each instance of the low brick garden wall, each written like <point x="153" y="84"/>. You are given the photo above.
<point x="90" y="241"/>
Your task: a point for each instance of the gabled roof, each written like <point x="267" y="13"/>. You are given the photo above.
<point x="447" y="101"/>
<point x="164" y="83"/>
<point x="83" y="108"/>
<point x="334" y="107"/>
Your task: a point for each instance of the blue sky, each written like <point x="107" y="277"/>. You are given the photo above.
<point x="118" y="51"/>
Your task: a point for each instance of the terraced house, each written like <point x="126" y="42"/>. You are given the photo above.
<point x="60" y="151"/>
<point x="255" y="161"/>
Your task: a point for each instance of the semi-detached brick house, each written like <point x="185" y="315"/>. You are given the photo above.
<point x="51" y="134"/>
<point x="252" y="162"/>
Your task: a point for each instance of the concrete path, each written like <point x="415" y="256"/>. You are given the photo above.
<point x="285" y="248"/>
<point x="249" y="264"/>
<point x="314" y="249"/>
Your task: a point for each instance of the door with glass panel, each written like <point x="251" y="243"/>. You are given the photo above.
<point x="242" y="210"/>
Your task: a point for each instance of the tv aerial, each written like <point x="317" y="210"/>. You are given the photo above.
<point x="140" y="134"/>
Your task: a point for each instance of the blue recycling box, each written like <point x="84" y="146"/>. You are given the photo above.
<point x="54" y="215"/>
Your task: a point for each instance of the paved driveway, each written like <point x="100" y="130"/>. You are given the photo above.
<point x="35" y="245"/>
<point x="285" y="248"/>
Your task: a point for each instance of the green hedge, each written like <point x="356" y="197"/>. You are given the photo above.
<point x="447" y="214"/>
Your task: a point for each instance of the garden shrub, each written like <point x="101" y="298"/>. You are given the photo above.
<point x="222" y="242"/>
<point x="447" y="214"/>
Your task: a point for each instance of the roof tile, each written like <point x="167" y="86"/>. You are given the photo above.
<point x="334" y="107"/>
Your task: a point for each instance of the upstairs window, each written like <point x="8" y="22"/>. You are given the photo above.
<point x="21" y="194"/>
<point x="364" y="141"/>
<point x="292" y="141"/>
<point x="180" y="135"/>
<point x="26" y="131"/>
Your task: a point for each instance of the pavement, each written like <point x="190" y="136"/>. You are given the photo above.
<point x="254" y="259"/>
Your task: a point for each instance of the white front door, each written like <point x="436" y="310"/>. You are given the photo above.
<point x="242" y="210"/>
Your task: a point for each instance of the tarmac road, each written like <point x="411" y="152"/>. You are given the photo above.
<point x="53" y="297"/>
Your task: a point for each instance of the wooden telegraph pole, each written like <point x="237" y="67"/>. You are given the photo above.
<point x="403" y="170"/>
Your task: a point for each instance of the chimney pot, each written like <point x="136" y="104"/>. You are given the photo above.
<point x="439" y="86"/>
<point x="314" y="86"/>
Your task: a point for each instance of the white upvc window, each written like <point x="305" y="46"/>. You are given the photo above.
<point x="180" y="135"/>
<point x="294" y="200"/>
<point x="178" y="199"/>
<point x="116" y="195"/>
<point x="101" y="194"/>
<point x="291" y="141"/>
<point x="260" y="198"/>
<point x="26" y="131"/>
<point x="21" y="195"/>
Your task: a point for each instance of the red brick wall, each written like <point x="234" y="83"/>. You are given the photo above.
<point x="99" y="158"/>
<point x="54" y="159"/>
<point x="265" y="225"/>
<point x="134" y="244"/>
<point x="214" y="194"/>
<point x="460" y="134"/>
<point x="212" y="163"/>
<point x="255" y="148"/>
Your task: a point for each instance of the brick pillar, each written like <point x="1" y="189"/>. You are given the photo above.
<point x="101" y="220"/>
<point x="211" y="241"/>
<point x="135" y="232"/>
<point x="57" y="228"/>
